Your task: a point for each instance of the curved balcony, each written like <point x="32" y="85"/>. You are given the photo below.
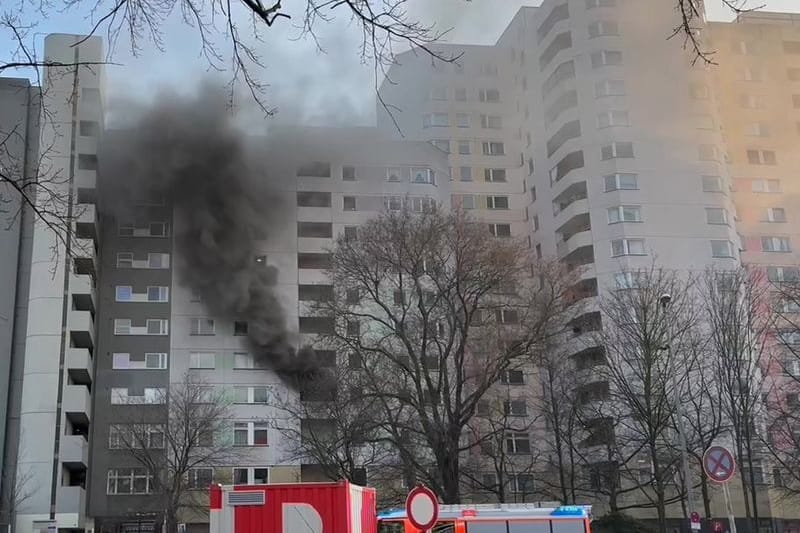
<point x="575" y="244"/>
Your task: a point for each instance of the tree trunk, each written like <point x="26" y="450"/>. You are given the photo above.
<point x="706" y="496"/>
<point x="449" y="470"/>
<point x="740" y="455"/>
<point x="661" y="506"/>
<point x="752" y="481"/>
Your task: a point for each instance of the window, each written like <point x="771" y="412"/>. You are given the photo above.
<point x="147" y="435"/>
<point x="512" y="377"/>
<point x="246" y="395"/>
<point x="314" y="293"/>
<point x="774" y="214"/>
<point x="624" y="213"/>
<point x="315" y="169"/>
<point x="776" y="244"/>
<point x="157" y="294"/>
<point x="122" y="326"/>
<point x="394" y="174"/>
<point x="157" y="326"/>
<point x="124" y="260"/>
<point x="607" y="119"/>
<point x="507" y="316"/>
<point x="515" y="408"/>
<point x="442" y="144"/>
<point x="522" y="483"/>
<point x="202" y="326"/>
<point x="349" y="173"/>
<point x="353" y="329"/>
<point x="150" y="396"/>
<point x="716" y="215"/>
<point x="129" y="481"/>
<point x="422" y="175"/>
<point x="493" y="148"/>
<point x="721" y="248"/>
<point x="317" y="261"/>
<point x="462" y="120"/>
<point x="621" y="182"/>
<point x="617" y="150"/>
<point x="753" y="101"/>
<point x="90" y="95"/>
<point x="500" y="230"/>
<point x="703" y="122"/>
<point x="791" y="47"/>
<point x="350" y="233"/>
<point x="492" y="122"/>
<point x="157" y="260"/>
<point x="250" y="434"/>
<point x="603" y="27"/>
<point x="591" y="4"/>
<point x="783" y="274"/>
<point x="251" y="476"/>
<point x="435" y="120"/>
<point x="464" y="147"/>
<point x="145" y="361"/>
<point x="422" y="205"/>
<point x="707" y="152"/>
<point x="761" y="157"/>
<point x="465" y="173"/>
<point x="712" y="184"/>
<point x="460" y="94"/>
<point x="609" y="88"/>
<point x="158" y="229"/>
<point x="124" y="293"/>
<point x="202" y="360"/>
<point x="393" y="203"/>
<point x="606" y="58"/>
<point x="200" y="478"/>
<point x="495" y="175"/>
<point x="352" y="296"/>
<point x="439" y="93"/>
<point x="125" y="229"/>
<point x="621" y="247"/>
<point x="497" y="202"/>
<point x="315" y="230"/>
<point x="313" y="199"/>
<point x="489" y="95"/>
<point x="349" y="203"/>
<point x="465" y="201"/>
<point x="518" y="443"/>
<point x="87" y="161"/>
<point x="757" y="129"/>
<point x="762" y="185"/>
<point x="89" y="128"/>
<point x="626" y="280"/>
<point x="247" y="361"/>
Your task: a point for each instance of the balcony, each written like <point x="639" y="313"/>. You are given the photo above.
<point x="86" y="221"/>
<point x="81" y="329"/>
<point x="84" y="256"/>
<point x="71" y="502"/>
<point x="85" y="179"/>
<point x="79" y="366"/>
<point x="577" y="248"/>
<point x="83" y="293"/>
<point x="573" y="193"/>
<point x="74" y="452"/>
<point x="77" y="404"/>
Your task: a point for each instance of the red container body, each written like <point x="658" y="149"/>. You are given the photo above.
<point x="293" y="508"/>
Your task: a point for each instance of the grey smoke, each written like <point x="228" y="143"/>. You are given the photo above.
<point x="188" y="148"/>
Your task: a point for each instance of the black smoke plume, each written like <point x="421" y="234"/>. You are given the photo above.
<point x="188" y="149"/>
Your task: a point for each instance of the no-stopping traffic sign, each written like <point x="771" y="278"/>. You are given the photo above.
<point x="719" y="464"/>
<point x="422" y="508"/>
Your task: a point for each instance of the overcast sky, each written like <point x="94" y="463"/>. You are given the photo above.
<point x="306" y="84"/>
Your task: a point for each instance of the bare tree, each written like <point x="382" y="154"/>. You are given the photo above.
<point x="16" y="488"/>
<point x="650" y="353"/>
<point x="436" y="310"/>
<point x="739" y="315"/>
<point x="177" y="446"/>
<point x="692" y="22"/>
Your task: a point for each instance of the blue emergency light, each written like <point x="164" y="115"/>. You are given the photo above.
<point x="569" y="510"/>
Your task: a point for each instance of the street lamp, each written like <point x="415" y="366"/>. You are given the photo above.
<point x="665" y="300"/>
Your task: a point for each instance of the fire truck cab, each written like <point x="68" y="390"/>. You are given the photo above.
<point x="496" y="518"/>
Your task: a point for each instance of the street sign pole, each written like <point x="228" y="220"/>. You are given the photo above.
<point x="731" y="518"/>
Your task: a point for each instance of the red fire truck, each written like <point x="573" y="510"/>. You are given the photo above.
<point x="346" y="508"/>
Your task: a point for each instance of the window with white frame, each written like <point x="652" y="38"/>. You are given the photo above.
<point x="489" y="95"/>
<point x="122" y="436"/>
<point x="716" y="215"/>
<point x="464" y="147"/>
<point x="507" y="316"/>
<point x="465" y="173"/>
<point x="515" y="408"/>
<point x="761" y="157"/>
<point x="122" y="326"/>
<point x="757" y="129"/>
<point x="393" y="203"/>
<point x="615" y="150"/>
<point x="607" y="119"/>
<point x="157" y="294"/>
<point x="144" y="361"/>
<point x="720" y="248"/>
<point x="783" y="274"/>
<point x="201" y="326"/>
<point x="250" y="394"/>
<point x="251" y="476"/>
<point x="518" y="443"/>
<point x="422" y="204"/>
<point x="609" y="88"/>
<point x="250" y="434"/>
<point x="602" y="28"/>
<point x="157" y="326"/>
<point x="712" y="184"/>
<point x="621" y="182"/>
<point x="394" y="174"/>
<point x="149" y="396"/>
<point x="124" y="293"/>
<point x="620" y="247"/>
<point x="493" y="148"/>
<point x="129" y="481"/>
<point x="422" y="175"/>
<point x="247" y="361"/>
<point x="200" y="478"/>
<point x="494" y="175"/>
<point x="776" y="244"/>
<point x="463" y="120"/>
<point x="202" y="360"/>
<point x="626" y="280"/>
<point x="774" y="214"/>
<point x="492" y="122"/>
<point x="753" y="101"/>
<point x="512" y="377"/>
<point x="124" y="260"/>
<point x="764" y="185"/>
<point x="500" y="230"/>
<point x="522" y="483"/>
<point x="606" y="58"/>
<point x="434" y="120"/>
<point x="157" y="260"/>
<point x="497" y="202"/>
<point x="624" y="213"/>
